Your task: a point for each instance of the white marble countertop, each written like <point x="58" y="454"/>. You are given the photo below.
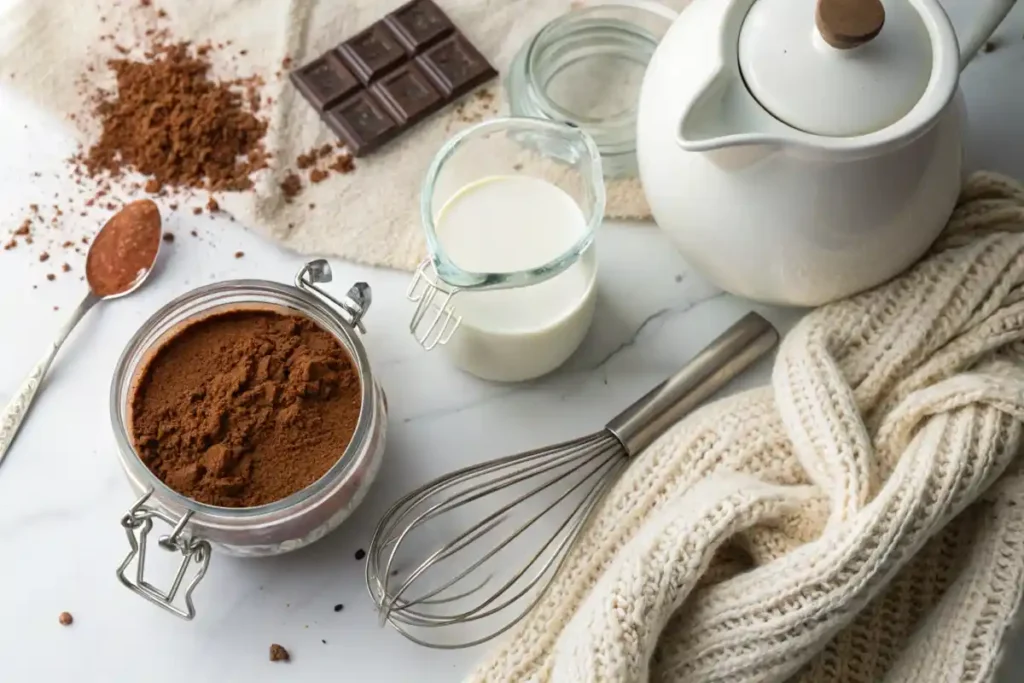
<point x="62" y="491"/>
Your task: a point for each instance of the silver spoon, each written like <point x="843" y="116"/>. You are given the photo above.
<point x="119" y="260"/>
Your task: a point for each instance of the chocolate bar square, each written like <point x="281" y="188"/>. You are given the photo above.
<point x="407" y="92"/>
<point x="325" y="81"/>
<point x="455" y="65"/>
<point x="372" y="52"/>
<point x="419" y="24"/>
<point x="362" y="122"/>
<point x="392" y="75"/>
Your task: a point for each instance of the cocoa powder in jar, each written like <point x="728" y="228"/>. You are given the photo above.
<point x="245" y="407"/>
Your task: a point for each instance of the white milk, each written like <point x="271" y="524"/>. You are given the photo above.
<point x="504" y="224"/>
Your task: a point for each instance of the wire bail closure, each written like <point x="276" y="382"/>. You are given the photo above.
<point x="352" y="307"/>
<point x="422" y="291"/>
<point x="137" y="524"/>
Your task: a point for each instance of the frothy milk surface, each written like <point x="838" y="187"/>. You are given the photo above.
<point x="504" y="224"/>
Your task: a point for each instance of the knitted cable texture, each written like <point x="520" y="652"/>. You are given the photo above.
<point x="860" y="520"/>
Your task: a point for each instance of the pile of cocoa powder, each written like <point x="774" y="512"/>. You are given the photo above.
<point x="245" y="407"/>
<point x="170" y="121"/>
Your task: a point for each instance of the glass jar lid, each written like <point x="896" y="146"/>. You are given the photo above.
<point x="585" y="68"/>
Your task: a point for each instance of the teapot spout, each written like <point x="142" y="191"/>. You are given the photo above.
<point x="725" y="114"/>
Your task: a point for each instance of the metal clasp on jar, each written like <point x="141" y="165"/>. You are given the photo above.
<point x="137" y="523"/>
<point x="423" y="290"/>
<point x="352" y="306"/>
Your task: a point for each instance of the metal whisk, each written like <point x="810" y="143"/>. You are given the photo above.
<point x="428" y="574"/>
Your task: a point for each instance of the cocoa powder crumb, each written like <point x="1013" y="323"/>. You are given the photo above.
<point x="65" y="267"/>
<point x="325" y="150"/>
<point x="291" y="186"/>
<point x="239" y="254"/>
<point x="197" y="210"/>
<point x="34" y="208"/>
<point x="24" y="229"/>
<point x="317" y="175"/>
<point x="245" y="407"/>
<point x="11" y="244"/>
<point x="173" y="207"/>
<point x="68" y="244"/>
<point x="212" y="205"/>
<point x="44" y="257"/>
<point x="304" y="161"/>
<point x="51" y="277"/>
<point x="279" y="654"/>
<point x="153" y="186"/>
<point x="65" y="619"/>
<point x="343" y="163"/>
<point x="194" y="233"/>
<point x="168" y="237"/>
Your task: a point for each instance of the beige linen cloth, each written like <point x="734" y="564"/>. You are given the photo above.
<point x="861" y="520"/>
<point x="370" y="215"/>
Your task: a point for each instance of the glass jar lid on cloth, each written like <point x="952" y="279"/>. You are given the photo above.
<point x="585" y="68"/>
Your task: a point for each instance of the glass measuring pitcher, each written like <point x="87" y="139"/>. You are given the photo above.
<point x="508" y="204"/>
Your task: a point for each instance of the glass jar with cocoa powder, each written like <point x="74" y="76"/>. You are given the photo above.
<point x="210" y="519"/>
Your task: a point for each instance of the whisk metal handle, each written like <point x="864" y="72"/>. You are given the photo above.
<point x="728" y="355"/>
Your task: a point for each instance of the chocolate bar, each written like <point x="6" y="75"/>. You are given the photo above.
<point x="392" y="75"/>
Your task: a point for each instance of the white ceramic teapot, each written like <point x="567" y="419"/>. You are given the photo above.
<point x="798" y="151"/>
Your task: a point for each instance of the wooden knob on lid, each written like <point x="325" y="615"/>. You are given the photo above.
<point x="845" y="24"/>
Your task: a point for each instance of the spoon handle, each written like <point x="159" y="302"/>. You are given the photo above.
<point x="14" y="413"/>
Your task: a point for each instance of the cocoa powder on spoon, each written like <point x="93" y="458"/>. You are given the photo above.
<point x="125" y="250"/>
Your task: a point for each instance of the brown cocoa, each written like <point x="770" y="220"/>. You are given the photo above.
<point x="245" y="407"/>
<point x="125" y="249"/>
<point x="169" y="120"/>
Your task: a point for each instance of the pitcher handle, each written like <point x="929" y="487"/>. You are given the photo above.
<point x="982" y="29"/>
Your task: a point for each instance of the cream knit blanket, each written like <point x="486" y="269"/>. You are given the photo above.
<point x="860" y="520"/>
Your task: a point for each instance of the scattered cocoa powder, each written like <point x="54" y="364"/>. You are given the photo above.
<point x="245" y="407"/>
<point x="197" y="210"/>
<point x="317" y="175"/>
<point x="343" y="163"/>
<point x="279" y="654"/>
<point x="239" y="254"/>
<point x="65" y="619"/>
<point x="10" y="244"/>
<point x="65" y="268"/>
<point x="24" y="229"/>
<point x="44" y="257"/>
<point x="51" y="277"/>
<point x="212" y="205"/>
<point x="291" y="186"/>
<point x="153" y="186"/>
<point x="168" y="237"/>
<point x="169" y="120"/>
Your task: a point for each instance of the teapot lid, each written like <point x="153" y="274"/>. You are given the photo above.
<point x="843" y="68"/>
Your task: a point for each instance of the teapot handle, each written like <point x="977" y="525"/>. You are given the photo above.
<point x="992" y="15"/>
